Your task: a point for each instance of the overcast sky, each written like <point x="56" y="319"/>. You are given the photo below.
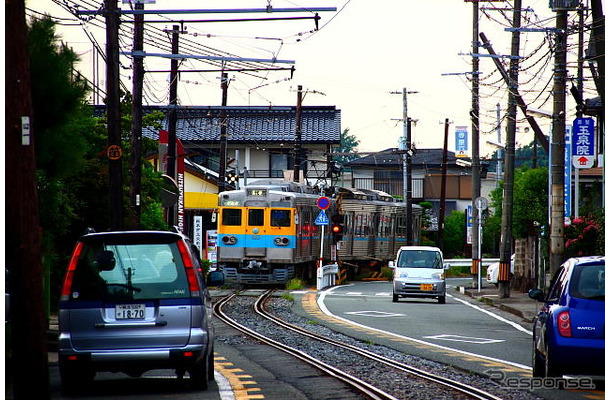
<point x="361" y="54"/>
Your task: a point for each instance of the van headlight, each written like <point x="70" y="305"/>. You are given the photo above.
<point x="437" y="275"/>
<point x="402" y="274"/>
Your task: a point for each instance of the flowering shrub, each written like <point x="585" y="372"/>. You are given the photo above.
<point x="582" y="237"/>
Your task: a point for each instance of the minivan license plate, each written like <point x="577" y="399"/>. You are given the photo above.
<point x="426" y="286"/>
<point x="130" y="311"/>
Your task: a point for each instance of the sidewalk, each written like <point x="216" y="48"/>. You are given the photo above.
<point x="518" y="303"/>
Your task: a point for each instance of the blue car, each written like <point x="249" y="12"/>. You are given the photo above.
<point x="569" y="328"/>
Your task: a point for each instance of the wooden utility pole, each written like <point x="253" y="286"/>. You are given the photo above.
<point x="113" y="101"/>
<point x="441" y="213"/>
<point x="26" y="361"/>
<point x="476" y="164"/>
<point x="409" y="197"/>
<point x="506" y="239"/>
<point x="222" y="159"/>
<point x="557" y="142"/>
<point x="172" y="119"/>
<point x="136" y="113"/>
<point x="298" y="135"/>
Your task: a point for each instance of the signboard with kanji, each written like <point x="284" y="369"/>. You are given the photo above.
<point x="583" y="137"/>
<point x="461" y="141"/>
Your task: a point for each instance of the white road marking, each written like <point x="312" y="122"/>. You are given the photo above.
<point x="467" y="339"/>
<point x="325" y="310"/>
<point x="375" y="314"/>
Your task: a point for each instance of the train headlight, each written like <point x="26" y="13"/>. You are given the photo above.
<point x="229" y="240"/>
<point x="281" y="241"/>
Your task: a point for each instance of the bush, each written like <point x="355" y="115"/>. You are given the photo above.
<point x="295" y="284"/>
<point x="582" y="237"/>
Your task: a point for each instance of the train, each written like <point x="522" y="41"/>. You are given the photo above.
<point x="272" y="231"/>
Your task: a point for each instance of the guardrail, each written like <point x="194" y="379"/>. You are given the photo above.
<point x="467" y="262"/>
<point x="327" y="275"/>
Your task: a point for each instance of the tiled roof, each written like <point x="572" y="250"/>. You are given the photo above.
<point x="390" y="158"/>
<point x="320" y="124"/>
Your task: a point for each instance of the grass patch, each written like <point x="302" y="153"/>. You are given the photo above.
<point x="295" y="284"/>
<point x="288" y="296"/>
<point x="309" y="322"/>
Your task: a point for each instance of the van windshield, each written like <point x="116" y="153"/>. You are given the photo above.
<point x="420" y="259"/>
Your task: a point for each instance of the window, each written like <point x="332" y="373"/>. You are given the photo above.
<point x="280" y="217"/>
<point x="256" y="217"/>
<point x="588" y="281"/>
<point x="231" y="216"/>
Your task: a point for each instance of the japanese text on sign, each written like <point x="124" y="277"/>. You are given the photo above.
<point x="583" y="140"/>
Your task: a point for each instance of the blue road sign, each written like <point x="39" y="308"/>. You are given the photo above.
<point x="583" y="137"/>
<point x="322" y="219"/>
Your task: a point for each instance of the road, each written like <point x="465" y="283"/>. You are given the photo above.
<point x="457" y="325"/>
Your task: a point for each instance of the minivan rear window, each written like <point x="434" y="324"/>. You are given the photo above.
<point x="129" y="271"/>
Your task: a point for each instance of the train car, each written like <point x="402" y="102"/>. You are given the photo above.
<point x="267" y="231"/>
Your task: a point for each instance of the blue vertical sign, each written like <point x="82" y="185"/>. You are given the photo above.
<point x="469" y="224"/>
<point x="583" y="137"/>
<point x="567" y="174"/>
<point x="461" y="141"/>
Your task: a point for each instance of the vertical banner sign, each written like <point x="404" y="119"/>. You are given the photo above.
<point x="567" y="175"/>
<point x="198" y="234"/>
<point x="461" y="141"/>
<point x="163" y="143"/>
<point x="469" y="224"/>
<point x="583" y="143"/>
<point x="211" y="237"/>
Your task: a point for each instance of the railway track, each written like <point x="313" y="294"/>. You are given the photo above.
<point x="434" y="385"/>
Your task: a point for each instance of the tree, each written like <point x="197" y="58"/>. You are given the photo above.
<point x="455" y="234"/>
<point x="349" y="143"/>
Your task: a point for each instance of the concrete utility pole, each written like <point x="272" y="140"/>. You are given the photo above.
<point x="557" y="143"/>
<point x="476" y="164"/>
<point x="298" y="134"/>
<point x="172" y="118"/>
<point x="222" y="158"/>
<point x="136" y="114"/>
<point x="509" y="160"/>
<point x="441" y="213"/>
<point x="113" y="101"/>
<point x="407" y="186"/>
<point x="28" y="366"/>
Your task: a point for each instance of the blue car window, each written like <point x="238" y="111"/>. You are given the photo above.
<point x="588" y="282"/>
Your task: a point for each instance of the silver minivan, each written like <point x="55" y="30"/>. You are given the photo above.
<point x="135" y="301"/>
<point x="419" y="272"/>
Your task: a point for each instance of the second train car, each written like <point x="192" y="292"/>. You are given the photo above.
<point x="267" y="231"/>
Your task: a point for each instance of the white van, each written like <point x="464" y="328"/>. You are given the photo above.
<point x="419" y="272"/>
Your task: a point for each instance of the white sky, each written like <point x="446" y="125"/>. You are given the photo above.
<point x="362" y="53"/>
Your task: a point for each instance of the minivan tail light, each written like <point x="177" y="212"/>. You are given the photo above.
<point x="188" y="266"/>
<point x="65" y="290"/>
<point x="564" y="324"/>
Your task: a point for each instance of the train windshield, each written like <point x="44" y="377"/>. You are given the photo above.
<point x="280" y="217"/>
<point x="256" y="217"/>
<point x="231" y="216"/>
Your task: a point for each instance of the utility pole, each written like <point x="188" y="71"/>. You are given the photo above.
<point x="136" y="113"/>
<point x="557" y="143"/>
<point x="405" y="147"/>
<point x="28" y="362"/>
<point x="222" y="158"/>
<point x="476" y="164"/>
<point x="499" y="151"/>
<point x="298" y="135"/>
<point x="441" y="213"/>
<point x="509" y="160"/>
<point x="113" y="100"/>
<point x="172" y="118"/>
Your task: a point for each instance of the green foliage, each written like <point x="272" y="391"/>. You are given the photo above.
<point x="387" y="272"/>
<point x="454" y="234"/>
<point x="349" y="143"/>
<point x="295" y="284"/>
<point x="530" y="199"/>
<point x="287" y="296"/>
<point x="585" y="236"/>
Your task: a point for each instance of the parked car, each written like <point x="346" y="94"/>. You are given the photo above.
<point x="569" y="329"/>
<point x="492" y="271"/>
<point x="133" y="302"/>
<point x="419" y="272"/>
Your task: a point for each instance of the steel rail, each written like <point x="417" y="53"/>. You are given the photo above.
<point x="466" y="389"/>
<point x="363" y="387"/>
